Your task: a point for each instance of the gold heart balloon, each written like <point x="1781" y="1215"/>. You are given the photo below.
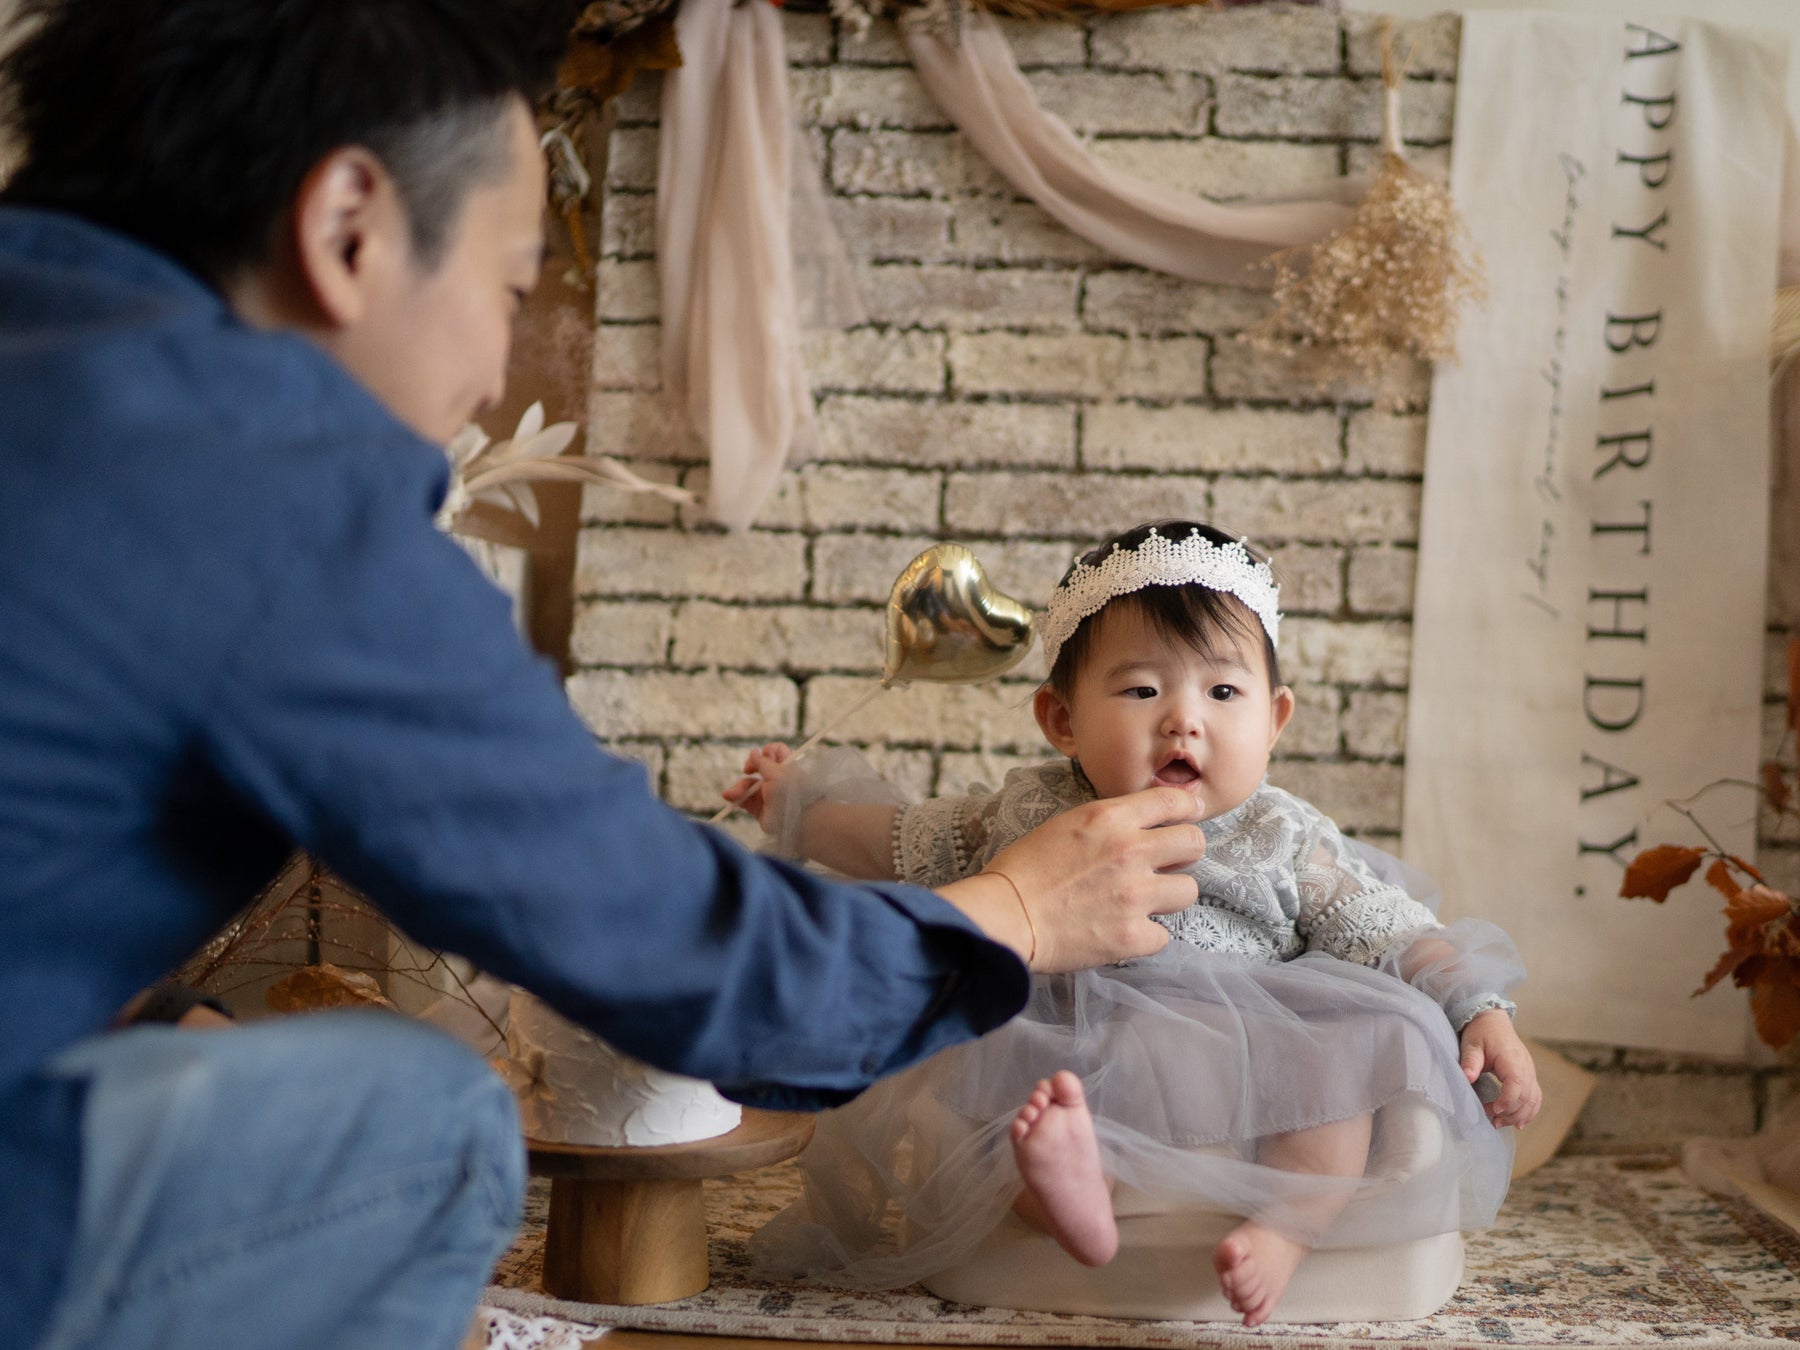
<point x="946" y="622"/>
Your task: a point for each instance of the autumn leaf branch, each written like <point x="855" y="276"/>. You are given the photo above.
<point x="1762" y="924"/>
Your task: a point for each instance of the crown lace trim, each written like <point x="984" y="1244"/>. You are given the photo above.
<point x="1161" y="561"/>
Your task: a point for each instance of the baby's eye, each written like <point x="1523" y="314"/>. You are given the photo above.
<point x="1224" y="693"/>
<point x="1140" y="691"/>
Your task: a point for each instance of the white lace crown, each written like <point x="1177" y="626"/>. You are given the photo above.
<point x="1160" y="561"/>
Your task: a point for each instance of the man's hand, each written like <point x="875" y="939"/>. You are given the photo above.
<point x="1090" y="879"/>
<point x="1490" y="1043"/>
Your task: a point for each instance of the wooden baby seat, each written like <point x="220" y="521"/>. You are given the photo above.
<point x="1164" y="1267"/>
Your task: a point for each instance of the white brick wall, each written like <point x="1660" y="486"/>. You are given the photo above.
<point x="1018" y="390"/>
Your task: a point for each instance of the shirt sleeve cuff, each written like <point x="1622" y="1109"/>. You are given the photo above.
<point x="1465" y="1011"/>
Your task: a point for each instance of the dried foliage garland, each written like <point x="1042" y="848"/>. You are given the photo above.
<point x="942" y="16"/>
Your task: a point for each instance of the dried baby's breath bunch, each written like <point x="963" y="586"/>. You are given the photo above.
<point x="1390" y="285"/>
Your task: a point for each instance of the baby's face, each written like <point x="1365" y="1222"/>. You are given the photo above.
<point x="1143" y="712"/>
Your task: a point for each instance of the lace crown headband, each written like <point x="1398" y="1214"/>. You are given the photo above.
<point x="1160" y="561"/>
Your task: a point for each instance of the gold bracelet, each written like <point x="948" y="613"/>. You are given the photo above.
<point x="1030" y="927"/>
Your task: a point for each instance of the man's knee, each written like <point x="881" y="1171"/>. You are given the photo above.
<point x="425" y="1079"/>
<point x="314" y="1158"/>
<point x="371" y="1081"/>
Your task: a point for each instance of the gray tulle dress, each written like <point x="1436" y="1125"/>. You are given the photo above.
<point x="1279" y="1005"/>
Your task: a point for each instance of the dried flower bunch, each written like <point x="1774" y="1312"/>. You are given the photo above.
<point x="1762" y="924"/>
<point x="1391" y="285"/>
<point x="501" y="473"/>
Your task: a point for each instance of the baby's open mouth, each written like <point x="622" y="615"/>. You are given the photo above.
<point x="1178" y="773"/>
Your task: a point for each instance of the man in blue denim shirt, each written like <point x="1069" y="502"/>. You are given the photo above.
<point x="257" y="259"/>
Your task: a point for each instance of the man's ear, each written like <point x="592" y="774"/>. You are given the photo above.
<point x="1281" y="712"/>
<point x="350" y="231"/>
<point x="1054" y="720"/>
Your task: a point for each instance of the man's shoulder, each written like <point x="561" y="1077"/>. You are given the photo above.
<point x="110" y="351"/>
<point x="169" y="463"/>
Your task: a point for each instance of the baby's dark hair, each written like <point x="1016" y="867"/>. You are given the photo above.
<point x="1191" y="614"/>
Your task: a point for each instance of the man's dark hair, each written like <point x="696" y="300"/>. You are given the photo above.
<point x="1194" y="614"/>
<point x="190" y="124"/>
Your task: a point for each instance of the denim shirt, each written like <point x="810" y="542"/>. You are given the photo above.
<point x="228" y="629"/>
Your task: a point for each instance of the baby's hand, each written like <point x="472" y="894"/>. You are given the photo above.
<point x="1490" y="1044"/>
<point x="759" y="790"/>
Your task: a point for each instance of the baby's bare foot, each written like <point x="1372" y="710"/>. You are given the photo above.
<point x="1254" y="1266"/>
<point x="1066" y="1193"/>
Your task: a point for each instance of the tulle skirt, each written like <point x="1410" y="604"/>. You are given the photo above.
<point x="1193" y="1062"/>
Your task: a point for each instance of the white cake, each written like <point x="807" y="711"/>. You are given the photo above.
<point x="574" y="1088"/>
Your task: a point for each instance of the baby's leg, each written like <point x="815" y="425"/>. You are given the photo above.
<point x="1066" y="1194"/>
<point x="1254" y="1262"/>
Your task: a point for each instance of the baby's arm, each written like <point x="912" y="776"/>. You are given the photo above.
<point x="1490" y="1043"/>
<point x="854" y="838"/>
<point x="1364" y="893"/>
<point x="1488" y="1040"/>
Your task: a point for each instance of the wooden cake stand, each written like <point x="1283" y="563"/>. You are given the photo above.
<point x="628" y="1225"/>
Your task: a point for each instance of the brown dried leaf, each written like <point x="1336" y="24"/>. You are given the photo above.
<point x="1752" y="970"/>
<point x="606" y="69"/>
<point x="1748" y="869"/>
<point x="1719" y="877"/>
<point x="1793" y="664"/>
<point x="1657" y="871"/>
<point x="1775" y="786"/>
<point x="1727" y="965"/>
<point x="1775" y="1003"/>
<point x="1749" y="942"/>
<point x="1748" y="913"/>
<point x="325" y="986"/>
<point x="585" y="65"/>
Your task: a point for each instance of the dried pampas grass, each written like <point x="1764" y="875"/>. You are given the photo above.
<point x="1387" y="288"/>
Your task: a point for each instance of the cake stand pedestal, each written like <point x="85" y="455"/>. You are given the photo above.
<point x="628" y="1225"/>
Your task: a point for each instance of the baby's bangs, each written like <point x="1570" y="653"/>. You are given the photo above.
<point x="1199" y="618"/>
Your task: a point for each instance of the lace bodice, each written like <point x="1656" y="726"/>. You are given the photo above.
<point x="1278" y="878"/>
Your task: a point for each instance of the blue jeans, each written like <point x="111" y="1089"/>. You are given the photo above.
<point x="332" y="1181"/>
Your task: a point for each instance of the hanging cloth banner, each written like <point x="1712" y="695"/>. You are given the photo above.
<point x="1588" y="626"/>
<point x="975" y="80"/>
<point x="731" y="331"/>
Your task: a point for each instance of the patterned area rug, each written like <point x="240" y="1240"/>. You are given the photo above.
<point x="1588" y="1251"/>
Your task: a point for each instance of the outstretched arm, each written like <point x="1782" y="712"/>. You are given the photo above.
<point x="1488" y="1040"/>
<point x="1077" y="891"/>
<point x="1461" y="967"/>
<point x="849" y="837"/>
